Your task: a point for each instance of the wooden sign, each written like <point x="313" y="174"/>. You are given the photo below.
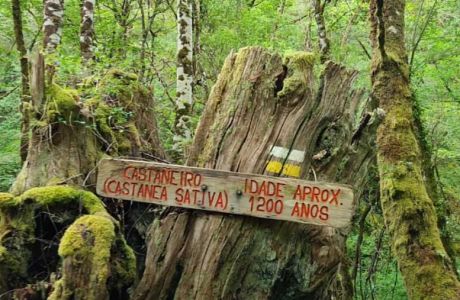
<point x="227" y="192"/>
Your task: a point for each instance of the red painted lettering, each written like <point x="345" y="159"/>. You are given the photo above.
<point x="298" y="193"/>
<point x="173" y="179"/>
<point x="334" y="199"/>
<point x="306" y="191"/>
<point x="324" y="213"/>
<point x="127" y="173"/>
<point x="315" y="193"/>
<point x="179" y="196"/>
<point x="295" y="210"/>
<point x="220" y="200"/>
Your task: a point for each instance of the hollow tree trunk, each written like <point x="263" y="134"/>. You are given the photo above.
<point x="194" y="255"/>
<point x="93" y="248"/>
<point x="408" y="209"/>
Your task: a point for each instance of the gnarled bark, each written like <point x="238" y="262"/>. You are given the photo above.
<point x="252" y="108"/>
<point x="408" y="209"/>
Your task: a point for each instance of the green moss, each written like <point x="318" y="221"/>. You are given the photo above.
<point x="86" y="233"/>
<point x="124" y="264"/>
<point x="6" y="199"/>
<point x="86" y="243"/>
<point x="115" y="100"/>
<point x="298" y="64"/>
<point x="299" y="60"/>
<point x="91" y="242"/>
<point x="16" y="233"/>
<point x="93" y="239"/>
<point x="411" y="221"/>
<point x="52" y="195"/>
<point x="61" y="102"/>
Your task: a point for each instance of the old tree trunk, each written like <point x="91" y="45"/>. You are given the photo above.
<point x="260" y="102"/>
<point x="408" y="209"/>
<point x="46" y="213"/>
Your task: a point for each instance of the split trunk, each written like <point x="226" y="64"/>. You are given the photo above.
<point x="260" y="102"/>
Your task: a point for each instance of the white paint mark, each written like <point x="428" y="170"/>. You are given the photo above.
<point x="281" y="152"/>
<point x="297" y="155"/>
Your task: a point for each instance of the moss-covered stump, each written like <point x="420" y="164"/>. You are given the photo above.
<point x="97" y="263"/>
<point x="31" y="226"/>
<point x="70" y="132"/>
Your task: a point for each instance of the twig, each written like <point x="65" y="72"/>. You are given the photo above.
<point x="364" y="49"/>
<point x="357" y="264"/>
<point x="9" y="92"/>
<point x="417" y="42"/>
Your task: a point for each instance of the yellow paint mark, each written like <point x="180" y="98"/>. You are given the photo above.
<point x="288" y="169"/>
<point x="274" y="167"/>
<point x="291" y="170"/>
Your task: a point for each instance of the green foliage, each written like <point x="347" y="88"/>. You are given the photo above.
<point x="378" y="276"/>
<point x="9" y="128"/>
<point x="432" y="35"/>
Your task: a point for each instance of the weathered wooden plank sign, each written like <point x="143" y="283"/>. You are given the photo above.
<point x="226" y="192"/>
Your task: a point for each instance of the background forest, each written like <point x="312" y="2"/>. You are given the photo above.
<point x="139" y="36"/>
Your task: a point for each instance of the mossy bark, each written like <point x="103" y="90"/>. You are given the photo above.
<point x="69" y="136"/>
<point x="97" y="263"/>
<point x="252" y="108"/>
<point x="96" y="259"/>
<point x="408" y="209"/>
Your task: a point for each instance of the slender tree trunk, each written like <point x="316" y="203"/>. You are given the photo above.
<point x="255" y="105"/>
<point x="87" y="31"/>
<point x="408" y="209"/>
<point x="324" y="44"/>
<point x="184" y="100"/>
<point x="52" y="27"/>
<point x="145" y="34"/>
<point x="25" y="93"/>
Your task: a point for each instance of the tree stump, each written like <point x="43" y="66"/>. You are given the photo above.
<point x="260" y="102"/>
<point x="69" y="136"/>
<point x="96" y="259"/>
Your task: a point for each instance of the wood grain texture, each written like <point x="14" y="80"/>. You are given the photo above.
<point x="259" y="196"/>
<point x="198" y="255"/>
